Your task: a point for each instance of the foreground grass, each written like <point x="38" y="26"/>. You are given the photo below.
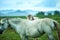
<point x="9" y="34"/>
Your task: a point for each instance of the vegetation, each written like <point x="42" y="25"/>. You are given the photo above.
<point x="57" y="12"/>
<point x="9" y="34"/>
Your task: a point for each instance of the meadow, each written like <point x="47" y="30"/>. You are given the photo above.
<point x="10" y="34"/>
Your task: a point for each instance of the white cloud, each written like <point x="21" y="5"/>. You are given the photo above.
<point x="58" y="5"/>
<point x="40" y="5"/>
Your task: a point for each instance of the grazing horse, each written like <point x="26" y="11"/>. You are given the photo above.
<point x="26" y="28"/>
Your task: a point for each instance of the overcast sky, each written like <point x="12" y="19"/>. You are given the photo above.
<point x="39" y="5"/>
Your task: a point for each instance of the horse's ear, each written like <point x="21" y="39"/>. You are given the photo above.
<point x="30" y="17"/>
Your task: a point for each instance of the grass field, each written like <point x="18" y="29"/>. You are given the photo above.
<point x="10" y="34"/>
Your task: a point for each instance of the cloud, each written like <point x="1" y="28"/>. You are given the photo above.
<point x="30" y="4"/>
<point x="58" y="5"/>
<point x="47" y="3"/>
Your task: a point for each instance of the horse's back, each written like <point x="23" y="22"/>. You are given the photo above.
<point x="32" y="27"/>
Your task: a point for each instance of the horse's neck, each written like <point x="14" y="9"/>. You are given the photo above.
<point x="15" y="22"/>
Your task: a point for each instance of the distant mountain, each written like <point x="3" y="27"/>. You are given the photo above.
<point x="16" y="12"/>
<point x="22" y="13"/>
<point x="31" y="12"/>
<point x="1" y="14"/>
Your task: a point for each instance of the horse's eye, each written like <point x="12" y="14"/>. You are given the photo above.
<point x="2" y="24"/>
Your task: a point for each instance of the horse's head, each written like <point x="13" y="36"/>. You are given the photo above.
<point x="3" y="25"/>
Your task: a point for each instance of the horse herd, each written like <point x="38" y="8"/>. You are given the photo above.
<point x="32" y="27"/>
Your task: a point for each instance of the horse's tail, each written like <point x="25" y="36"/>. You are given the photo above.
<point x="58" y="28"/>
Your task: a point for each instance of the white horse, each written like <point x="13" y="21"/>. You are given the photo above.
<point x="27" y="28"/>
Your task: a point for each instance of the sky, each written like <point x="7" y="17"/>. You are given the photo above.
<point x="37" y="5"/>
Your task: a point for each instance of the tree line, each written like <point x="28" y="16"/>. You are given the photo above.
<point x="49" y="13"/>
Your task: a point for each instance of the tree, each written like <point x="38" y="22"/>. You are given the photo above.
<point x="49" y="14"/>
<point x="56" y="12"/>
<point x="40" y="13"/>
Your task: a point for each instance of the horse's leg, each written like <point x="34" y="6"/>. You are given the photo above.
<point x="48" y="30"/>
<point x="23" y="37"/>
<point x="50" y="36"/>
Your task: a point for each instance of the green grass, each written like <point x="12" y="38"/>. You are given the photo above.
<point x="9" y="34"/>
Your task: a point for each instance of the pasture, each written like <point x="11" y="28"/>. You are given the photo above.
<point x="10" y="34"/>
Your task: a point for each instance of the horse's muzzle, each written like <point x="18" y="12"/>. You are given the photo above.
<point x="1" y="31"/>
